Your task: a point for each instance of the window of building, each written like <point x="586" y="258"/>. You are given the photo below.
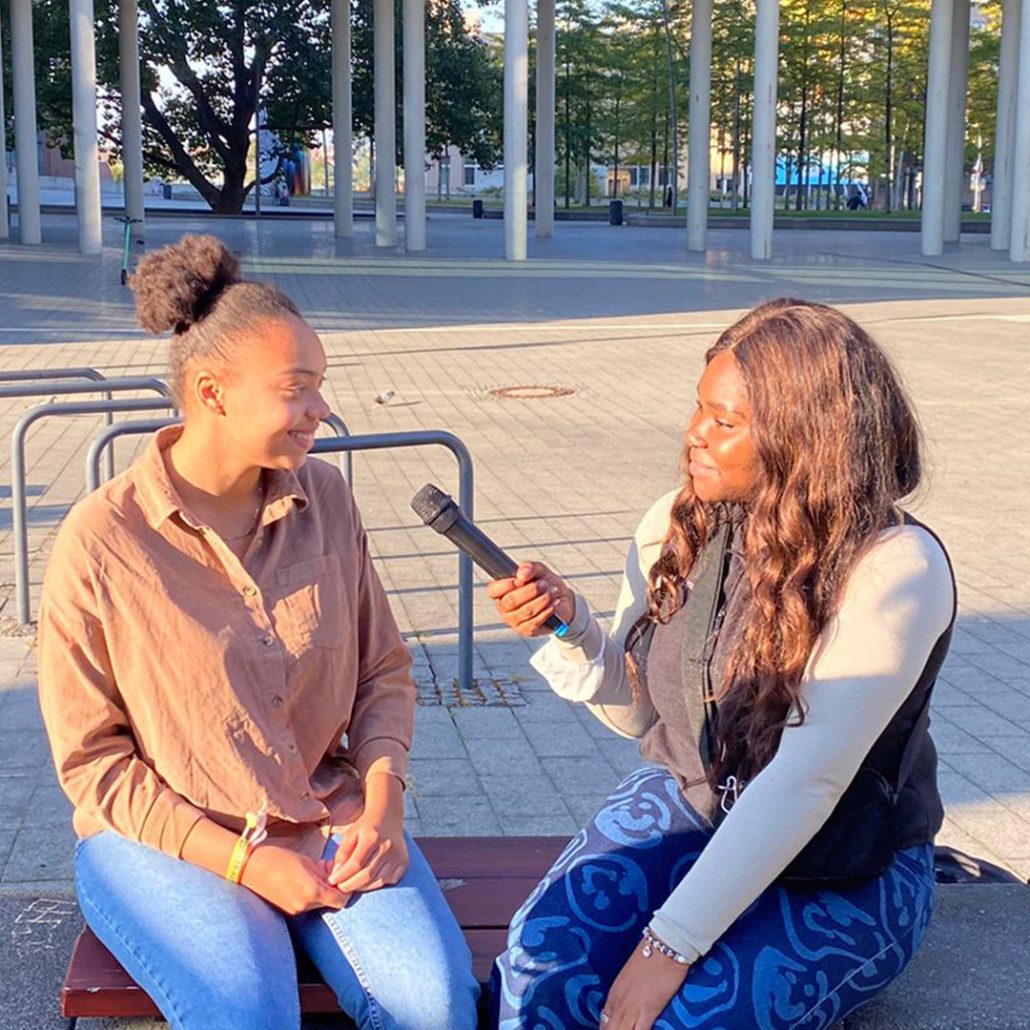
<point x="470" y="175"/>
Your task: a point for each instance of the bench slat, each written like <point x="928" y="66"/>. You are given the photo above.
<point x="97" y="985"/>
<point x="472" y="857"/>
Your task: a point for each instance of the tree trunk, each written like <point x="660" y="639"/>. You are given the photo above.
<point x="888" y="135"/>
<point x="587" y="145"/>
<point x="736" y="137"/>
<point x="665" y="159"/>
<point x="615" y="155"/>
<point x="803" y="121"/>
<point x="654" y="124"/>
<point x="673" y="113"/>
<point x="568" y="134"/>
<point x="839" y="135"/>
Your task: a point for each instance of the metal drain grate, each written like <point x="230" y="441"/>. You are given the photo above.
<point x="484" y="694"/>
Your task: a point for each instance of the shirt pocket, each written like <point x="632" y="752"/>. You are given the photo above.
<point x="312" y="609"/>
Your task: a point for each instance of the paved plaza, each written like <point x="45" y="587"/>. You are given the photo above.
<point x="621" y="318"/>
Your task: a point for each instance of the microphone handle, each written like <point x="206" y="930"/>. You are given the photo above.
<point x="496" y="563"/>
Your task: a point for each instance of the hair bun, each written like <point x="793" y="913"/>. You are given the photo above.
<point x="177" y="285"/>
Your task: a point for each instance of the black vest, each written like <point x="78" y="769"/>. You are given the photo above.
<point x="892" y="802"/>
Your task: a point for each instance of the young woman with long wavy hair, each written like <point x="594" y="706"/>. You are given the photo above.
<point x="779" y="630"/>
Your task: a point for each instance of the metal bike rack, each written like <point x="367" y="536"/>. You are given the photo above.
<point x="426" y="438"/>
<point x="68" y="388"/>
<point x="105" y="438"/>
<point x="65" y="388"/>
<point x="29" y="375"/>
<point x="108" y="436"/>
<point x="334" y="422"/>
<point x="18" y="501"/>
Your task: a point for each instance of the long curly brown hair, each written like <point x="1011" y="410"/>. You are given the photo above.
<point x="838" y="447"/>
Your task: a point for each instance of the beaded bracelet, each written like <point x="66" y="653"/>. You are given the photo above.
<point x="253" y="834"/>
<point x="653" y="943"/>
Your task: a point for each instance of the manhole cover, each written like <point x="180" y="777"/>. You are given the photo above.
<point x="531" y="393"/>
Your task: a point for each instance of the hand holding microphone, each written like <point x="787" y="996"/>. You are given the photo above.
<point x="524" y="599"/>
<point x="530" y="598"/>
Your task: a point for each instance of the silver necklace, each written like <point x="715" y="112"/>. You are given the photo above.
<point x="253" y="522"/>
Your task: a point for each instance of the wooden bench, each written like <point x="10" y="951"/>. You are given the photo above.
<point x="485" y="879"/>
<point x="950" y="984"/>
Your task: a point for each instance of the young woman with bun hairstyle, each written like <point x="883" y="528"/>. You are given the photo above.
<point x="780" y="627"/>
<point x="228" y="699"/>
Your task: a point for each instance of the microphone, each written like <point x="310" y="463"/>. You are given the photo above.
<point x="438" y="511"/>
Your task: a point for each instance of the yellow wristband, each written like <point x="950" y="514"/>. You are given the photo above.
<point x="253" y="834"/>
<point x="240" y="853"/>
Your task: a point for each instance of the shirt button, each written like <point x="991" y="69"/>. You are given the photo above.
<point x="305" y="794"/>
<point x="249" y="591"/>
<point x="277" y="701"/>
<point x="268" y="641"/>
<point x="291" y="748"/>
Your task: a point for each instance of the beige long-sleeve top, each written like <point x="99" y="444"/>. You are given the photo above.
<point x="177" y="681"/>
<point x="898" y="601"/>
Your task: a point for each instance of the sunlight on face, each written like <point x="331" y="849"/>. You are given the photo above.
<point x="272" y="397"/>
<point x="720" y="452"/>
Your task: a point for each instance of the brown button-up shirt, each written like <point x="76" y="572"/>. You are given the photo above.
<point x="177" y="681"/>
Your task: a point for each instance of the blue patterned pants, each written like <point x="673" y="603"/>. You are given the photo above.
<point x="794" y="959"/>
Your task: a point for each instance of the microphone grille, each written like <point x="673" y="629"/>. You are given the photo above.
<point x="429" y="502"/>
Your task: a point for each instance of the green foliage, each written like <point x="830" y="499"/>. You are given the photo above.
<point x="203" y="63"/>
<point x="851" y="90"/>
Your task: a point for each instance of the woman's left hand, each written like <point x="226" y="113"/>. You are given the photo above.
<point x="372" y="851"/>
<point x="641" y="991"/>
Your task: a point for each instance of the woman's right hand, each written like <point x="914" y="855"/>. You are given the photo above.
<point x="293" y="883"/>
<point x="526" y="600"/>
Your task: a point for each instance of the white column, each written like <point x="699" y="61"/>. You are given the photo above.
<point x="414" y="29"/>
<point x="935" y="148"/>
<point x="954" y="176"/>
<point x="132" y="121"/>
<point x="763" y="147"/>
<point x="4" y="231"/>
<point x="84" y="126"/>
<point x="385" y="124"/>
<point x="516" y="127"/>
<point x="1020" y="243"/>
<point x="1001" y="183"/>
<point x="343" y="142"/>
<point x="543" y="165"/>
<point x="23" y="76"/>
<point x="699" y="135"/>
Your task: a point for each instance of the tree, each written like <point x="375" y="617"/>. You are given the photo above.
<point x="204" y="68"/>
<point x="579" y="91"/>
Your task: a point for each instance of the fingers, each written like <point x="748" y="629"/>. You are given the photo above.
<point x="385" y="864"/>
<point x="497" y="588"/>
<point x="382" y="873"/>
<point x="358" y="849"/>
<point x="522" y="596"/>
<point x="330" y="897"/>
<point x="527" y="572"/>
<point x="530" y="570"/>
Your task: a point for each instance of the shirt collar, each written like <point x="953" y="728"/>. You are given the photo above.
<point x="160" y="500"/>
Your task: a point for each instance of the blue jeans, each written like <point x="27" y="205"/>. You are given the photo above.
<point x="795" y="958"/>
<point x="214" y="956"/>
